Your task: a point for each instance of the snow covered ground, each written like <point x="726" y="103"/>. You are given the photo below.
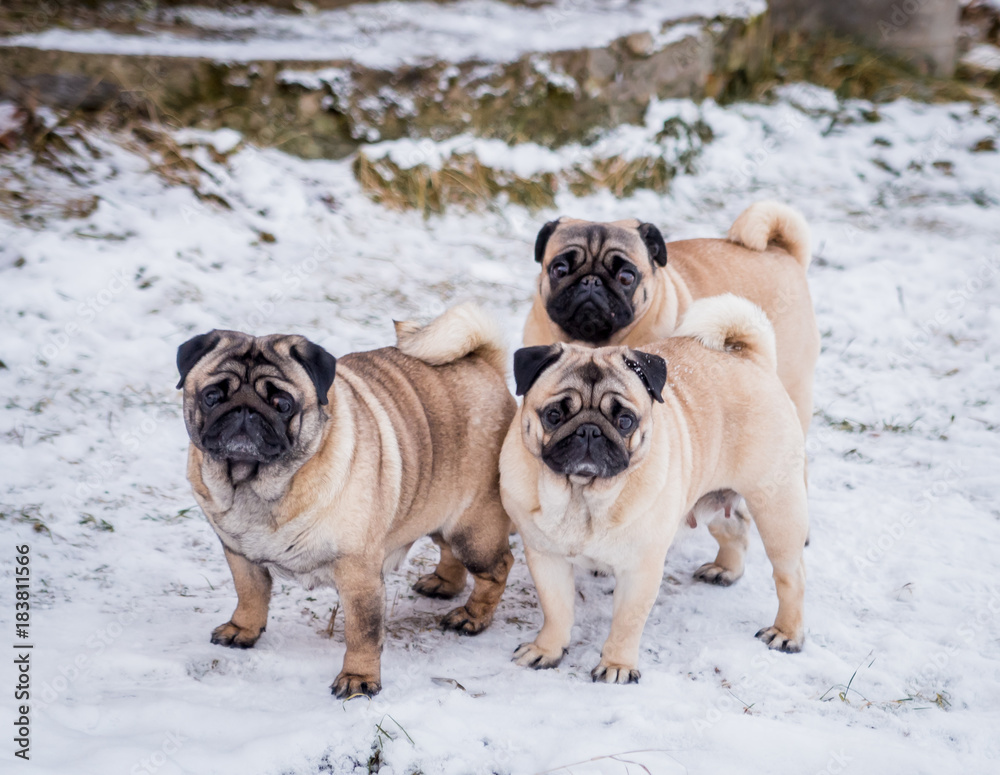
<point x="385" y="34"/>
<point x="903" y="601"/>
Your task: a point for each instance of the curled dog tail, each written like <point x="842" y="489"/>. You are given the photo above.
<point x="460" y="331"/>
<point x="730" y="323"/>
<point x="766" y="223"/>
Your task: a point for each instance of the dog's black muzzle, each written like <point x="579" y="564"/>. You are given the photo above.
<point x="590" y="311"/>
<point x="244" y="434"/>
<point x="587" y="450"/>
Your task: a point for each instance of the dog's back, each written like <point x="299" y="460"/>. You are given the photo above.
<point x="770" y="273"/>
<point x="721" y="365"/>
<point x="444" y="392"/>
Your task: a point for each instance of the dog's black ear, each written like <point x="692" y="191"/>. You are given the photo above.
<point x="192" y="351"/>
<point x="543" y="239"/>
<point x="529" y="362"/>
<point x="652" y="370"/>
<point x="654" y="243"/>
<point x="319" y="365"/>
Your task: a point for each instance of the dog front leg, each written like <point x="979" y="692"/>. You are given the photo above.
<point x="553" y="577"/>
<point x="362" y="596"/>
<point x="253" y="593"/>
<point x="636" y="589"/>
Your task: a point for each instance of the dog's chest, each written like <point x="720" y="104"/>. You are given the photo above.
<point x="575" y="524"/>
<point x="301" y="548"/>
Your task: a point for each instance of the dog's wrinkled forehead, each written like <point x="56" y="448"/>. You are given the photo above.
<point x="595" y="373"/>
<point x="261" y="363"/>
<point x="240" y="358"/>
<point x="597" y="239"/>
<point x="245" y="356"/>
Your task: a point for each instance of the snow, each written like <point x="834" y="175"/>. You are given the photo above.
<point x="527" y="159"/>
<point x="388" y="34"/>
<point x="902" y="592"/>
<point x="984" y="56"/>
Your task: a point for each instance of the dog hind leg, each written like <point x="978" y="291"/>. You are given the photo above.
<point x="781" y="516"/>
<point x="480" y="541"/>
<point x="448" y="578"/>
<point x="731" y="530"/>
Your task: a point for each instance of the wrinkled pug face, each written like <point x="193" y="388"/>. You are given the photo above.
<point x="588" y="413"/>
<point x="595" y="275"/>
<point x="254" y="400"/>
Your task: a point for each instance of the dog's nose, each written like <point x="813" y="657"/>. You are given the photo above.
<point x="592" y="282"/>
<point x="588" y="431"/>
<point x="244" y="416"/>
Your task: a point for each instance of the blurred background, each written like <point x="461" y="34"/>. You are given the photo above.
<point x="320" y="79"/>
<point x="325" y="167"/>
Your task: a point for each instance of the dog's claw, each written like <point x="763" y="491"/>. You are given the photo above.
<point x="347" y="686"/>
<point x="234" y="636"/>
<point x="529" y="655"/>
<point x="464" y="623"/>
<point x="433" y="585"/>
<point x="777" y="640"/>
<point x="711" y="573"/>
<point x="615" y="674"/>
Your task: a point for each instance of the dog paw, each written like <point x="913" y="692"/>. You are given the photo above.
<point x="711" y="573"/>
<point x="350" y="685"/>
<point x="615" y="674"/>
<point x="530" y="655"/>
<point x="776" y="639"/>
<point x="234" y="636"/>
<point x="432" y="585"/>
<point x="464" y="623"/>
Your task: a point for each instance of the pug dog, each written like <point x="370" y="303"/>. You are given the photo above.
<point x="612" y="284"/>
<point x="327" y="471"/>
<point x="613" y="448"/>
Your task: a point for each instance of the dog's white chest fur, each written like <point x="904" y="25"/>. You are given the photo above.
<point x="574" y="522"/>
<point x="302" y="548"/>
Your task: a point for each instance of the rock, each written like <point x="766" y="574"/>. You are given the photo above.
<point x="640" y="44"/>
<point x="66" y="92"/>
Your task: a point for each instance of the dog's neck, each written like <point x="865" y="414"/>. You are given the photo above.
<point x="574" y="505"/>
<point x="670" y="299"/>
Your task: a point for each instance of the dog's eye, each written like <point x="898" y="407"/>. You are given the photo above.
<point x="626" y="277"/>
<point x="553" y="416"/>
<point x="626" y="421"/>
<point x="283" y="404"/>
<point x="558" y="270"/>
<point x="211" y="397"/>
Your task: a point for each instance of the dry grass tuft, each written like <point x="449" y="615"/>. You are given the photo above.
<point x="461" y="181"/>
<point x="464" y="181"/>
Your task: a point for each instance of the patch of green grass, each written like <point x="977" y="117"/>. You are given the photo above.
<point x="882" y="426"/>
<point x="940" y="699"/>
<point x="184" y="513"/>
<point x="382" y="737"/>
<point x="98" y="524"/>
<point x="30" y="514"/>
<point x="844" y="690"/>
